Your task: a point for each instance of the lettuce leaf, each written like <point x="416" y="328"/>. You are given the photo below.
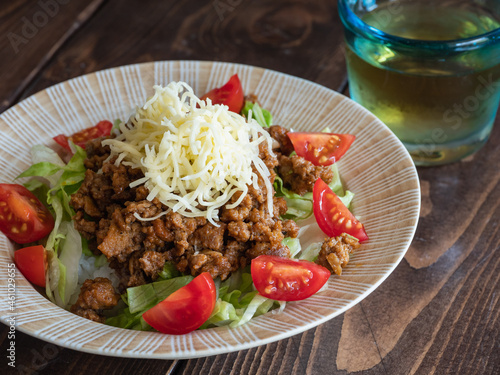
<point x="125" y="319"/>
<point x="238" y="302"/>
<point x="311" y="252"/>
<point x="116" y="125"/>
<point x="169" y="272"/>
<point x="63" y="179"/>
<point x="141" y="298"/>
<point x="261" y="115"/>
<point x="53" y="182"/>
<point x="293" y="244"/>
<point x="70" y="252"/>
<point x="60" y="292"/>
<point x="43" y="169"/>
<point x="300" y="207"/>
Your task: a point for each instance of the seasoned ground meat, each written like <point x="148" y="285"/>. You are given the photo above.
<point x="209" y="237"/>
<point x="269" y="160"/>
<point x="96" y="154"/>
<point x="95" y="295"/>
<point x="152" y="263"/>
<point x="299" y="175"/>
<point x="335" y="252"/>
<point x="238" y="213"/>
<point x="107" y="210"/>
<point x="136" y="275"/>
<point x="213" y="262"/>
<point x="239" y="230"/>
<point x="86" y="227"/>
<point x="283" y="144"/>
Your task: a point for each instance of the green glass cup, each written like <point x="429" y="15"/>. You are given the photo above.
<point x="429" y="69"/>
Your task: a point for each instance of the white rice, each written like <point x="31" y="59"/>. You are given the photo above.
<point x="88" y="270"/>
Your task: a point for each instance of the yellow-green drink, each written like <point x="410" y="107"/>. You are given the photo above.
<point x="429" y="69"/>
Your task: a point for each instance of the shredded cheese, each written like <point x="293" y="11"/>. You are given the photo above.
<point x="194" y="155"/>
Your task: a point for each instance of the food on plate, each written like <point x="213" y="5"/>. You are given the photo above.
<point x="286" y="279"/>
<point x="102" y="129"/>
<point x="32" y="262"/>
<point x="23" y="218"/>
<point x="169" y="209"/>
<point x="95" y="296"/>
<point x="334" y="253"/>
<point x="230" y="94"/>
<point x="186" y="309"/>
<point x="332" y="216"/>
<point x="321" y="148"/>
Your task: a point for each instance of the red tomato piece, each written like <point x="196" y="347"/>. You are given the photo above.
<point x="286" y="279"/>
<point x="321" y="148"/>
<point x="23" y="218"/>
<point x="332" y="216"/>
<point x="32" y="262"/>
<point x="186" y="309"/>
<point x="103" y="128"/>
<point x="231" y="94"/>
<point x="62" y="140"/>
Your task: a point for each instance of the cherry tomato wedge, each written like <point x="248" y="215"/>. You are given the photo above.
<point x="23" y="218"/>
<point x="186" y="309"/>
<point x="231" y="94"/>
<point x="321" y="148"/>
<point x="80" y="138"/>
<point x="32" y="262"/>
<point x="286" y="279"/>
<point x="332" y="216"/>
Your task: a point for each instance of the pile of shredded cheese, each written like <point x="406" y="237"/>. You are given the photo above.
<point x="194" y="155"/>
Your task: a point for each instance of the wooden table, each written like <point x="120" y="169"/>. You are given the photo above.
<point x="436" y="314"/>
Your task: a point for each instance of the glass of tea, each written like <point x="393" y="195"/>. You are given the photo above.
<point x="429" y="69"/>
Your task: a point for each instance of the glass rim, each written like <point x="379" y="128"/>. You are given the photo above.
<point x="352" y="21"/>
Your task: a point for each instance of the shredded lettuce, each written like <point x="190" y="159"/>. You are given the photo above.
<point x="238" y="301"/>
<point x="60" y="292"/>
<point x="55" y="236"/>
<point x="85" y="248"/>
<point x="125" y="319"/>
<point x="300" y="207"/>
<point x="169" y="272"/>
<point x="70" y="252"/>
<point x="224" y="313"/>
<point x="311" y="252"/>
<point x="100" y="260"/>
<point x="141" y="298"/>
<point x="116" y="125"/>
<point x="69" y="176"/>
<point x="293" y="244"/>
<point x="261" y="115"/>
<point x="53" y="182"/>
<point x="347" y="198"/>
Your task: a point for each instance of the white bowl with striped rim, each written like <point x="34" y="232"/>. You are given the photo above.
<point x="377" y="168"/>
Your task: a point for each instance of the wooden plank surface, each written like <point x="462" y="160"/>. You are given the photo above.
<point x="33" y="33"/>
<point x="437" y="313"/>
<point x="307" y="43"/>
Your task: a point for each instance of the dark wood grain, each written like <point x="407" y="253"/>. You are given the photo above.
<point x="302" y="40"/>
<point x="33" y="33"/>
<point x="438" y="312"/>
<point x="34" y="356"/>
